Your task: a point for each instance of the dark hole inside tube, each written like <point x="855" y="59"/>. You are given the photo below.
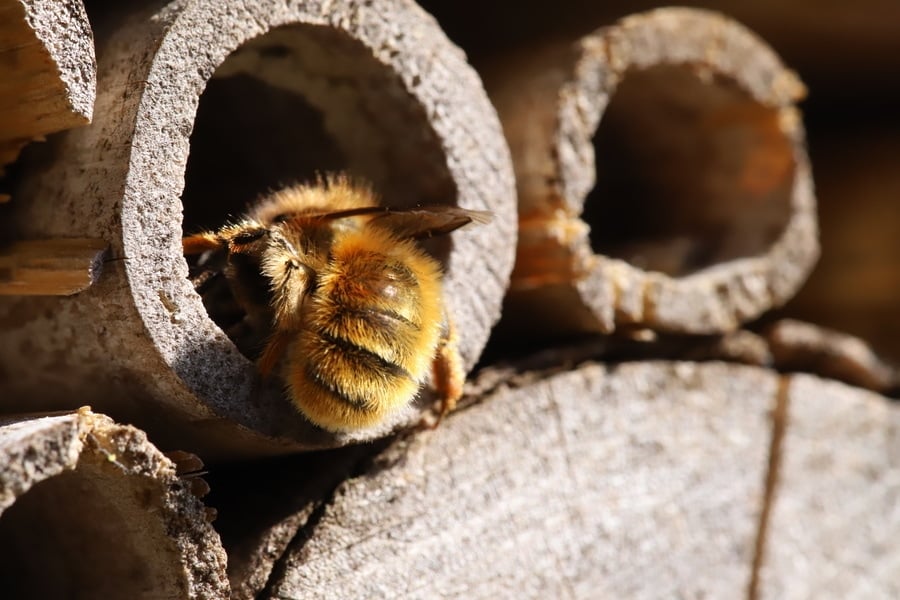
<point x="691" y="172"/>
<point x="285" y="108"/>
<point x="250" y="138"/>
<point x="69" y="537"/>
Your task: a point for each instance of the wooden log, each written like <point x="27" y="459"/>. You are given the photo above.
<point x="91" y="509"/>
<point x="799" y="346"/>
<point x="59" y="267"/>
<point x="834" y="522"/>
<point x="641" y="480"/>
<point x="277" y="93"/>
<point x="662" y="175"/>
<point x="48" y="73"/>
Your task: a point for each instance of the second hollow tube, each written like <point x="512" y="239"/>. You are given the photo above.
<point x="662" y="175"/>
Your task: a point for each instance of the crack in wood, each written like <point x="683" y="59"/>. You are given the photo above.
<point x="779" y="428"/>
<point x="302" y="535"/>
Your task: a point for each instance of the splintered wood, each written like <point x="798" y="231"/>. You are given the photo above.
<point x="48" y="73"/>
<point x="59" y="267"/>
<point x="631" y="216"/>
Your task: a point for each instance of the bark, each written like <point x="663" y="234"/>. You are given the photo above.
<point x="798" y="346"/>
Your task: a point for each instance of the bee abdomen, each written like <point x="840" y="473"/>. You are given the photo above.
<point x="370" y="363"/>
<point x="345" y="385"/>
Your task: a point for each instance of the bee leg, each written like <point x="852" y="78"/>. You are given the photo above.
<point x="272" y="353"/>
<point x="448" y="372"/>
<point x="201" y="242"/>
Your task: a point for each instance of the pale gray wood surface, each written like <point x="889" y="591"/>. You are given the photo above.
<point x="641" y="481"/>
<point x="835" y="520"/>
<point x="48" y="67"/>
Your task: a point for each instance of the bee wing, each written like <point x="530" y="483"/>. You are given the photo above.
<point x="429" y="221"/>
<point x="417" y="222"/>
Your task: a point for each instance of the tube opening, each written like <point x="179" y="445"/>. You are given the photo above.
<point x="286" y="107"/>
<point x="79" y="534"/>
<point x="691" y="172"/>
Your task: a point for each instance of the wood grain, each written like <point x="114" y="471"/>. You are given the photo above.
<point x="59" y="267"/>
<point x="834" y="521"/>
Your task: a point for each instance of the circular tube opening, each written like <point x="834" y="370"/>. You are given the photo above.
<point x="286" y="107"/>
<point x="86" y="533"/>
<point x="691" y="172"/>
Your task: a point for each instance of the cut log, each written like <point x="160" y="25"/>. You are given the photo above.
<point x="644" y="480"/>
<point x="91" y="509"/>
<point x="834" y="523"/>
<point x="278" y="92"/>
<point x="48" y="74"/>
<point x="662" y="175"/>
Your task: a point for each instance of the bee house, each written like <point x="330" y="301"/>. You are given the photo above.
<point x="446" y="299"/>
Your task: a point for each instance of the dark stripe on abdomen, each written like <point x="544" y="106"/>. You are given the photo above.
<point x="365" y="358"/>
<point x="315" y="378"/>
<point x="351" y="363"/>
<point x="384" y="317"/>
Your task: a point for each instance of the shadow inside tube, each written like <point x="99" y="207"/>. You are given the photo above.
<point x="691" y="172"/>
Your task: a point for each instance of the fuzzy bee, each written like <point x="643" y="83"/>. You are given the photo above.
<point x="353" y="306"/>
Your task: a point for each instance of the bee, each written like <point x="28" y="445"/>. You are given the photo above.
<point x="352" y="305"/>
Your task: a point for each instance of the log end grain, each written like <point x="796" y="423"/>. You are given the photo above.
<point x="834" y="521"/>
<point x="633" y="479"/>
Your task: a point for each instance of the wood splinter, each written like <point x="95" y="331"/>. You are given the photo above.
<point x="58" y="267"/>
<point x="48" y="66"/>
<point x="662" y="176"/>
